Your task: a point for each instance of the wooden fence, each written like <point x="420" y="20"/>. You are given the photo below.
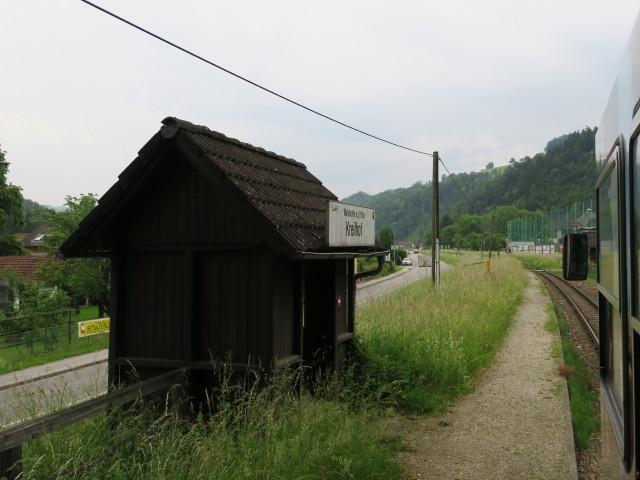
<point x="12" y="439"/>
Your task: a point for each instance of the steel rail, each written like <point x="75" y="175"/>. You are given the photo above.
<point x="552" y="277"/>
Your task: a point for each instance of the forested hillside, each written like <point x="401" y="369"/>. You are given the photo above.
<point x="563" y="174"/>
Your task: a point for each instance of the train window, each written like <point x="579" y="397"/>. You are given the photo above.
<point x="612" y="355"/>
<point x="608" y="249"/>
<point x="611" y="358"/>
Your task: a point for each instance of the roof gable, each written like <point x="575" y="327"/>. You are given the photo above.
<point x="280" y="189"/>
<point x="278" y="193"/>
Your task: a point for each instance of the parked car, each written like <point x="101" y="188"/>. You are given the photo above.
<point x="407" y="261"/>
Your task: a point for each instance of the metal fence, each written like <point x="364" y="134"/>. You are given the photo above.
<point x="46" y="328"/>
<point x="544" y="230"/>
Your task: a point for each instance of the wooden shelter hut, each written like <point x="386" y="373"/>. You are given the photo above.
<point x="218" y="251"/>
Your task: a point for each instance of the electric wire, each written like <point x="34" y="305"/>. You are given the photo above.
<point x="473" y="207"/>
<point x="188" y="52"/>
<point x="209" y="62"/>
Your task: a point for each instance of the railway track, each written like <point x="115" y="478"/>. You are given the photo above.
<point x="585" y="307"/>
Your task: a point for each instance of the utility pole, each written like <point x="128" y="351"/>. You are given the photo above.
<point x="435" y="223"/>
<point x="491" y="238"/>
<point x="394" y="244"/>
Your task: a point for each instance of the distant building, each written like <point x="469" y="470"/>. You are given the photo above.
<point x="410" y="245"/>
<point x="33" y="241"/>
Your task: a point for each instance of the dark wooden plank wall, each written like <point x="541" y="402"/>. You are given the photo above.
<point x="341" y="291"/>
<point x="286" y="309"/>
<point x="182" y="225"/>
<point x="342" y="324"/>
<point x="231" y="314"/>
<point x="182" y="208"/>
<point x="152" y="312"/>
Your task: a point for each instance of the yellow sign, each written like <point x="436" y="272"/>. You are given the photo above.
<point x="93" y="327"/>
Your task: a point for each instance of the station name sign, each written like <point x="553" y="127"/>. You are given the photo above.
<point x="351" y="225"/>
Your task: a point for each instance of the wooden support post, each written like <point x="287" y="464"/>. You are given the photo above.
<point x="11" y="463"/>
<point x="492" y="235"/>
<point x="435" y="220"/>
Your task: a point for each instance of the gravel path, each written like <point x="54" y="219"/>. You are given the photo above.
<point x="515" y="425"/>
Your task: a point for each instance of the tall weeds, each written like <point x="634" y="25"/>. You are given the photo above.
<point x="422" y="345"/>
<point x="260" y="430"/>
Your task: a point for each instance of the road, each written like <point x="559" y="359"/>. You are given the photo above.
<point x="32" y="392"/>
<point x="381" y="286"/>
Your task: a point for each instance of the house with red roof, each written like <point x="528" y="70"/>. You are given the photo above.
<point x="25" y="267"/>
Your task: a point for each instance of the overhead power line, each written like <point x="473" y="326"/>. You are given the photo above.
<point x="188" y="52"/>
<point x="240" y="77"/>
<point x="473" y="207"/>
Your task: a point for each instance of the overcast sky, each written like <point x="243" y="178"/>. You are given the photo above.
<point x="479" y="82"/>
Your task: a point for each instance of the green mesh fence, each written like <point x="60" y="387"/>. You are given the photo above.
<point x="543" y="231"/>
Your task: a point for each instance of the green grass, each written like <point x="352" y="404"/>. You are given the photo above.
<point x="271" y="433"/>
<point x="551" y="325"/>
<point x="422" y="346"/>
<point x="468" y="258"/>
<point x="582" y="399"/>
<point x="461" y="258"/>
<point x="551" y="261"/>
<point x="86" y="313"/>
<point x="17" y="358"/>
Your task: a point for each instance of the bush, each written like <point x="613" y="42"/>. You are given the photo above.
<point x="387" y="269"/>
<point x="400" y="255"/>
<point x="28" y="298"/>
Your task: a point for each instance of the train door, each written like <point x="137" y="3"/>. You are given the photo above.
<point x="614" y="356"/>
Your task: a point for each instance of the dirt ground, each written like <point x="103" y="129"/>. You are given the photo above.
<point x="515" y="425"/>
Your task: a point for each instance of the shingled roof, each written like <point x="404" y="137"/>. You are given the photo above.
<point x="280" y="188"/>
<point x="280" y="192"/>
<point x="25" y="267"/>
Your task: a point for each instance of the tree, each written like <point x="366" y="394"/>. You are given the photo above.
<point x="546" y="181"/>
<point x="449" y="235"/>
<point x="85" y="277"/>
<point x="490" y="165"/>
<point x="33" y="214"/>
<point x="448" y="219"/>
<point x="10" y="212"/>
<point x="504" y="214"/>
<point x="386" y="237"/>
